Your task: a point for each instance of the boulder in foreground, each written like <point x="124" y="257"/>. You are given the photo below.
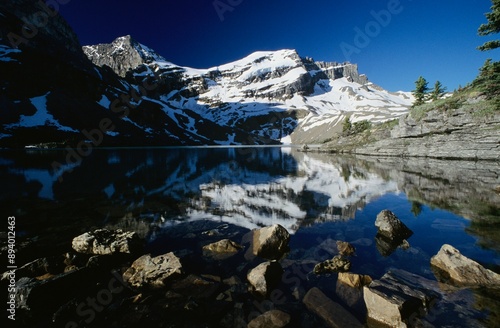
<point x="451" y="266"/>
<point x="399" y="298"/>
<point x="153" y="272"/>
<point x="270" y="243"/>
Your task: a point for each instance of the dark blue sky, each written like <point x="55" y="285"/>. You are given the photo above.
<point x="436" y="39"/>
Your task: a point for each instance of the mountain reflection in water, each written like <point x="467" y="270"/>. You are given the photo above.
<point x="150" y="189"/>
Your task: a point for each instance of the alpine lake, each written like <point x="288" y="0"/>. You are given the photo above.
<point x="164" y="193"/>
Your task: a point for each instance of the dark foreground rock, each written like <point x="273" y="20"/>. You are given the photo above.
<point x="452" y="267"/>
<point x="221" y="250"/>
<point x="265" y="277"/>
<point x="333" y="314"/>
<point x="271" y="319"/>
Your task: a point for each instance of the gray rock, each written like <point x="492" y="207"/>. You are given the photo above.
<point x="337" y="264"/>
<point x="331" y="312"/>
<point x="103" y="241"/>
<point x="391" y="227"/>
<point x="271" y="319"/>
<point x="153" y="272"/>
<point x="456" y="134"/>
<point x="122" y="55"/>
<point x="221" y="250"/>
<point x="270" y="243"/>
<point x="399" y="298"/>
<point x="265" y="277"/>
<point x="451" y="266"/>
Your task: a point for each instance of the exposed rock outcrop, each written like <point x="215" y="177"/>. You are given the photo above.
<point x="122" y="55"/>
<point x="446" y="134"/>
<point x="451" y="266"/>
<point x="103" y="241"/>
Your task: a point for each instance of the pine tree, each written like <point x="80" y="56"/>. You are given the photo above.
<point x="438" y="91"/>
<point x="421" y="88"/>
<point x="492" y="27"/>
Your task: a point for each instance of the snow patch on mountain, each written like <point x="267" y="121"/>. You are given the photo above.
<point x="41" y="117"/>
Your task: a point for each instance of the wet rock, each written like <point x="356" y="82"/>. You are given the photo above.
<point x="387" y="246"/>
<point x="38" y="267"/>
<point x="195" y="287"/>
<point x="391" y="227"/>
<point x="331" y="312"/>
<point x="153" y="272"/>
<point x="265" y="277"/>
<point x="337" y="264"/>
<point x="451" y="266"/>
<point x="392" y="233"/>
<point x="349" y="289"/>
<point x="103" y="241"/>
<point x="47" y="295"/>
<point x="271" y="319"/>
<point x="270" y="243"/>
<point x="345" y="248"/>
<point x="354" y="280"/>
<point x="398" y="298"/>
<point x="221" y="250"/>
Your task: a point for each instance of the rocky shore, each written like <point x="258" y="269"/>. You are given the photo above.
<point x="461" y="133"/>
<point x="209" y="274"/>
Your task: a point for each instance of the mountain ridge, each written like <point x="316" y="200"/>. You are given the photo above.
<point x="268" y="97"/>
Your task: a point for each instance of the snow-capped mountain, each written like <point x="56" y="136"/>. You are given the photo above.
<point x="275" y="95"/>
<point x="124" y="93"/>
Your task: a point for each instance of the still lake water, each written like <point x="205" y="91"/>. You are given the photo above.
<point x="317" y="197"/>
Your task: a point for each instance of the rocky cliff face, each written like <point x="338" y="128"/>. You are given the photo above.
<point x="459" y="134"/>
<point x="122" y="55"/>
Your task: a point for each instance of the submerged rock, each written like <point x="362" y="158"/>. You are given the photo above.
<point x="331" y="312"/>
<point x="399" y="298"/>
<point x="451" y="266"/>
<point x="337" y="264"/>
<point x="345" y="248"/>
<point x="270" y="243"/>
<point x="265" y="277"/>
<point x="271" y="319"/>
<point x="103" y="241"/>
<point x="221" y="250"/>
<point x="153" y="272"/>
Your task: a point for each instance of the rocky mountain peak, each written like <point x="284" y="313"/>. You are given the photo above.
<point x="122" y="55"/>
